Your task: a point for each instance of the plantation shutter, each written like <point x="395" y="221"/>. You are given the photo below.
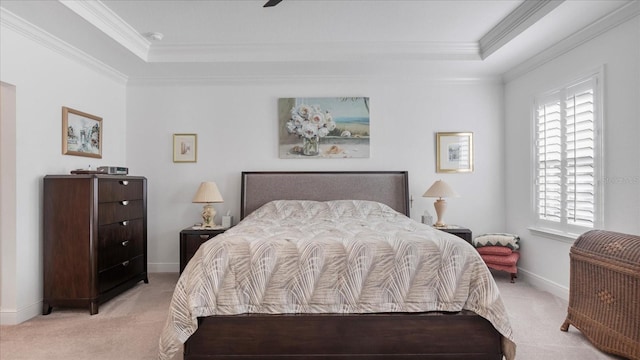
<point x="565" y="146"/>
<point x="549" y="159"/>
<point x="580" y="154"/>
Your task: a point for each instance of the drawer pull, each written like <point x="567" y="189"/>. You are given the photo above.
<point x="126" y="263"/>
<point x="125" y="243"/>
<point x="204" y="237"/>
<point x="124" y="182"/>
<point x="125" y="202"/>
<point x="124" y="223"/>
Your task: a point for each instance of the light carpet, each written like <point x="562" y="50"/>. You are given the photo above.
<point x="128" y="327"/>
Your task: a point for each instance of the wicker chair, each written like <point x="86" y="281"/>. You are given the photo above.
<point x="604" y="291"/>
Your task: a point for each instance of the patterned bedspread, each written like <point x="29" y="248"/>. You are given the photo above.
<point x="295" y="256"/>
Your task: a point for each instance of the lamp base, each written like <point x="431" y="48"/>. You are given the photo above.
<point x="440" y="206"/>
<point x="208" y="214"/>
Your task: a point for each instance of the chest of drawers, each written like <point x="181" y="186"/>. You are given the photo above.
<point x="95" y="238"/>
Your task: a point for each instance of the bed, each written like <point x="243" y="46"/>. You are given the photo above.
<point x="219" y="319"/>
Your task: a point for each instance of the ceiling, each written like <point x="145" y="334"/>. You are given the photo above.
<point x="239" y="38"/>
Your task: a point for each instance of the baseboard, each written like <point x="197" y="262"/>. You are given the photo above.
<point x="16" y="317"/>
<point x="163" y="267"/>
<point x="544" y="284"/>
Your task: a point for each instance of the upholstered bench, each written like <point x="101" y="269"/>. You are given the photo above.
<point x="499" y="252"/>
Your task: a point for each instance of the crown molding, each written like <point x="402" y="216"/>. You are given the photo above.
<point x="103" y="18"/>
<point x="604" y="24"/>
<point x="331" y="52"/>
<point x="36" y="34"/>
<point x="213" y="80"/>
<point x="525" y="15"/>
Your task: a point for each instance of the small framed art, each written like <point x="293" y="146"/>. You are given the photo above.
<point x="185" y="147"/>
<point x="454" y="152"/>
<point x="81" y="133"/>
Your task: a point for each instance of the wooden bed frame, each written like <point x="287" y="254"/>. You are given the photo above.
<point x="433" y="335"/>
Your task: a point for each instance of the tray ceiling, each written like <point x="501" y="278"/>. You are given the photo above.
<point x="239" y="37"/>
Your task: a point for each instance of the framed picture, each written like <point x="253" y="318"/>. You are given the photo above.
<point x="81" y="133"/>
<point x="323" y="128"/>
<point x="454" y="152"/>
<point x="185" y="147"/>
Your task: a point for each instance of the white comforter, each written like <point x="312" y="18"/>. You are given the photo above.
<point x="331" y="257"/>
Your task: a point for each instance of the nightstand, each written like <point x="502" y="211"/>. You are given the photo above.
<point x="190" y="241"/>
<point x="458" y="231"/>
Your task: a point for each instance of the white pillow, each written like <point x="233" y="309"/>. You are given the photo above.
<point x="497" y="239"/>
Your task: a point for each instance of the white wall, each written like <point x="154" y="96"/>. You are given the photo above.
<point x="545" y="260"/>
<point x="237" y="128"/>
<point x="236" y="123"/>
<point x="45" y="81"/>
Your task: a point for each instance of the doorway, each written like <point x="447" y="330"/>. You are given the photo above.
<point x="7" y="197"/>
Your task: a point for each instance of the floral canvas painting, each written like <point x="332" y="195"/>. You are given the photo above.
<point x="332" y="127"/>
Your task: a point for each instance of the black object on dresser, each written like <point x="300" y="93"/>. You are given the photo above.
<point x="458" y="231"/>
<point x="95" y="238"/>
<point x="190" y="241"/>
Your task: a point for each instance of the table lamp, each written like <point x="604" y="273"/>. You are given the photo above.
<point x="440" y="189"/>
<point x="207" y="194"/>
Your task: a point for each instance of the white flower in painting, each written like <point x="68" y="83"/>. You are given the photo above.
<point x="297" y="118"/>
<point x="310" y="121"/>
<point x="304" y="111"/>
<point x="317" y="118"/>
<point x="291" y="126"/>
<point x="309" y="130"/>
<point x="330" y="125"/>
<point x="328" y="117"/>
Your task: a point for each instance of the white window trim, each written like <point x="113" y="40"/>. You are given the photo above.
<point x="554" y="234"/>
<point x="568" y="233"/>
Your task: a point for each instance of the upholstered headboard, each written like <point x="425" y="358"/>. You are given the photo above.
<point x="388" y="187"/>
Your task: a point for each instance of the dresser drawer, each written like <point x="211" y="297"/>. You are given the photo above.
<point x="120" y="273"/>
<point x="119" y="189"/>
<point x="120" y="242"/>
<point x="114" y="212"/>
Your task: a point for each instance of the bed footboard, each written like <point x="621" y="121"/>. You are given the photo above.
<point x="463" y="335"/>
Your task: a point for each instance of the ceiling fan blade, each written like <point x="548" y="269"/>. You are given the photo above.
<point x="271" y="3"/>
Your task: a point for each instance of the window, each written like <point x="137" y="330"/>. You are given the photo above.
<point x="567" y="158"/>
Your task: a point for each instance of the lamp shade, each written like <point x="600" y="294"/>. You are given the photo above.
<point x="440" y="189"/>
<point x="208" y="193"/>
